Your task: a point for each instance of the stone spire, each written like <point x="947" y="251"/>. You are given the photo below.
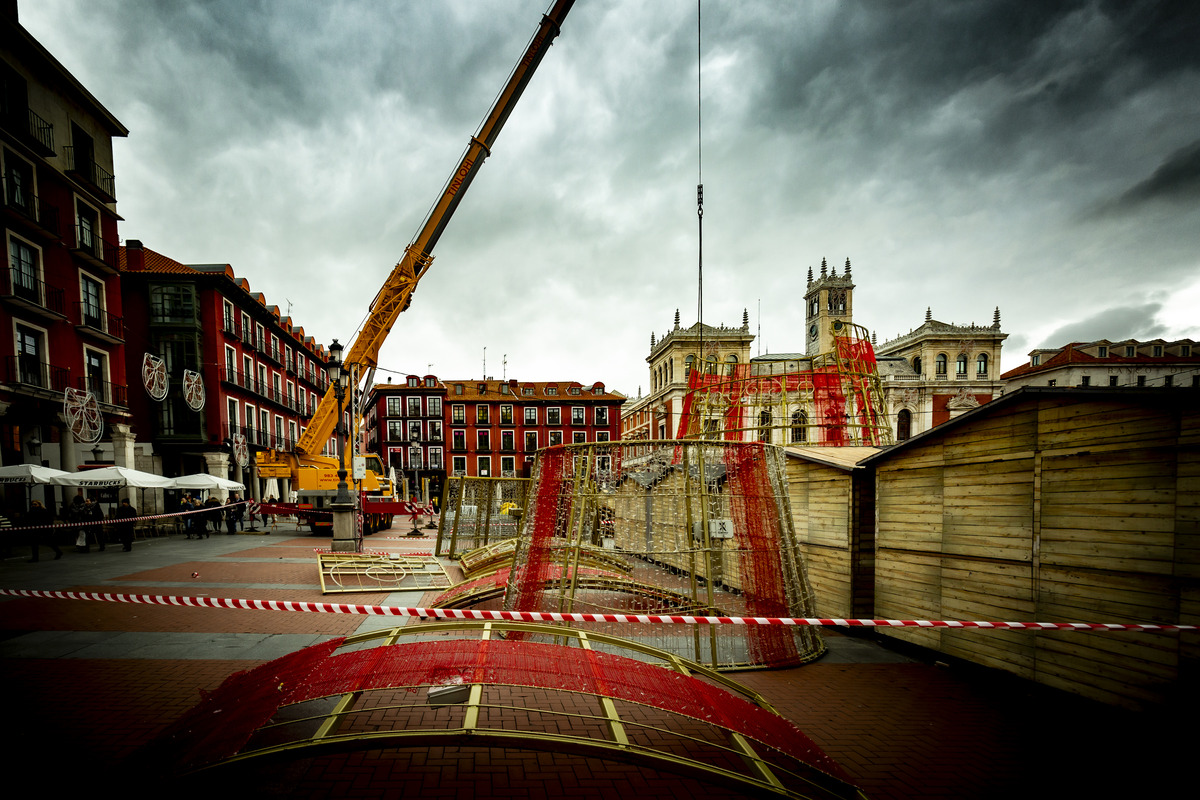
<point x="928" y="314"/>
<point x="810" y="276"/>
<point x="824" y="269"/>
<point x="745" y="320"/>
<point x="652" y="340"/>
<point x="847" y="266"/>
<point x="874" y="341"/>
<point x="833" y="271"/>
<point x="996" y="319"/>
<point x="677" y="319"/>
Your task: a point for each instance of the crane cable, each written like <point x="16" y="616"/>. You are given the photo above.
<point x="703" y="365"/>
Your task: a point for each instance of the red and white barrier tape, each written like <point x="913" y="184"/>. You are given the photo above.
<point x="121" y="520"/>
<point x="550" y="616"/>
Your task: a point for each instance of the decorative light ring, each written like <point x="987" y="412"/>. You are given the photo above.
<point x="193" y="389"/>
<point x="154" y="376"/>
<point x="241" y="453"/>
<point x="83" y="416"/>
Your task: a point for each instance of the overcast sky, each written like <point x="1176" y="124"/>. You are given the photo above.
<point x="1043" y="157"/>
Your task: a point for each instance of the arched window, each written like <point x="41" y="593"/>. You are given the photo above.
<point x="730" y="364"/>
<point x="940" y="367"/>
<point x="687" y="366"/>
<point x="981" y="365"/>
<point x="960" y="365"/>
<point x="903" y="425"/>
<point x="670" y="370"/>
<point x="764" y="426"/>
<point x="710" y="365"/>
<point x="917" y="365"/>
<point x="799" y="427"/>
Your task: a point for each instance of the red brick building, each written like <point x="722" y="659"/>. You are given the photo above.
<point x="261" y="377"/>
<point x="405" y="424"/>
<point x="60" y="299"/>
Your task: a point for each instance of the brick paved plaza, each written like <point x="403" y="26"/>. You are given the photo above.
<point x="91" y="682"/>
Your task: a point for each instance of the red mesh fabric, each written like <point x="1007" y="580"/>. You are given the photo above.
<point x="531" y="567"/>
<point x="553" y="667"/>
<point x="756" y="519"/>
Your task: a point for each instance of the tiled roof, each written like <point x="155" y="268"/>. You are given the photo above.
<point x="157" y="262"/>
<point x="1071" y="354"/>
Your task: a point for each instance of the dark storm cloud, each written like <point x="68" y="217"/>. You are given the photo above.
<point x="1177" y="180"/>
<point x="1114" y="324"/>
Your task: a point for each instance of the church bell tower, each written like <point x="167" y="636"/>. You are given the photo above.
<point x="828" y="299"/>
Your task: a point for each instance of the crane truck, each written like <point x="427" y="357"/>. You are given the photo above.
<point x="313" y="476"/>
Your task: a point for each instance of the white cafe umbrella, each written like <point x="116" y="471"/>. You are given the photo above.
<point x="202" y="480"/>
<point x="28" y="474"/>
<point x="109" y="477"/>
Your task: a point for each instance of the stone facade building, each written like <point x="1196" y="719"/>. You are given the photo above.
<point x="1104" y="363"/>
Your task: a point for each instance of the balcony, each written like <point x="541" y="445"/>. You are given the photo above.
<point x="98" y="323"/>
<point x="106" y="392"/>
<point x="91" y="173"/>
<point x="33" y="375"/>
<point x="33" y="295"/>
<point x="29" y="127"/>
<point x="93" y="249"/>
<point x="229" y="327"/>
<point x="22" y="206"/>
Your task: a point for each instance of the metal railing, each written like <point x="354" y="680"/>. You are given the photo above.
<point x="26" y="371"/>
<point x="92" y="172"/>
<point x="14" y="283"/>
<point x="99" y="319"/>
<point x="106" y="392"/>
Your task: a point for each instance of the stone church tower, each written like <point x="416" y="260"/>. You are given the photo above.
<point x="828" y="299"/>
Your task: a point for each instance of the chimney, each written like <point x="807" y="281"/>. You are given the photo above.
<point x="135" y="256"/>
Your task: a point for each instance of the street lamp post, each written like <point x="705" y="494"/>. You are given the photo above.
<point x="345" y="539"/>
<point x="414" y="460"/>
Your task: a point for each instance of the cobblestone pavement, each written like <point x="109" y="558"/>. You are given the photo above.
<point x="91" y="682"/>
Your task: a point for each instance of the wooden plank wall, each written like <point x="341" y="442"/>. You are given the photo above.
<point x="1059" y="509"/>
<point x="820" y="500"/>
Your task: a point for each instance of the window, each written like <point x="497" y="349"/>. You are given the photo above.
<point x="395" y="406"/>
<point x="555" y="438"/>
<point x="30" y="346"/>
<point x="527" y="391"/>
<point x="508" y="441"/>
<point x="247" y="373"/>
<point x="506" y="415"/>
<point x="602" y="415"/>
<point x="551" y="390"/>
<point x="246" y="327"/>
<point x="941" y="364"/>
<point x="903" y="425"/>
<point x="687" y="366"/>
<point x="264" y="426"/>
<point x="1085" y="380"/>
<point x="458" y="388"/>
<point x="231" y="415"/>
<point x="26" y="275"/>
<point x="730" y="365"/>
<point x="435" y="458"/>
<point x="413" y="382"/>
<point x="799" y="427"/>
<point x="1102" y="352"/>
<point x="508" y="466"/>
<point x="960" y="365"/>
<point x="459" y="465"/>
<point x="577" y="416"/>
<point x="172" y="304"/>
<point x="1141" y="380"/>
<point x="95" y="366"/>
<point x="554" y="416"/>
<point x="435" y="430"/>
<point x="1112" y="380"/>
<point x="414" y="430"/>
<point x="431" y="383"/>
<point x="1035" y="360"/>
<point x="434" y="406"/>
<point x="764" y="426"/>
<point x="1157" y="351"/>
<point x="91" y="302"/>
<point x="504" y="388"/>
<point x="981" y="365"/>
<point x="1185" y="350"/>
<point x="579" y="437"/>
<point x="573" y="390"/>
<point x="481" y="415"/>
<point x="19" y="185"/>
<point x="485" y="466"/>
<point x="87" y="232"/>
<point x="395" y="430"/>
<point x="531" y="415"/>
<point x="458" y="415"/>
<point x="601" y="436"/>
<point x="458" y="440"/>
<point x="483" y="440"/>
<point x="292" y="431"/>
<point x="1130" y="351"/>
<point x="414" y="406"/>
<point x="530" y="441"/>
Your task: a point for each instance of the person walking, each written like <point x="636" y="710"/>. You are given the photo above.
<point x="188" y="520"/>
<point x="125" y="512"/>
<point x="40" y="516"/>
<point x="94" y="514"/>
<point x="74" y="514"/>
<point x="233" y="514"/>
<point x="213" y="514"/>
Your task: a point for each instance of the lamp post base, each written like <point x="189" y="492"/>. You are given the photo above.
<point x="345" y="535"/>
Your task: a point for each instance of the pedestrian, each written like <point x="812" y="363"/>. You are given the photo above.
<point x="40" y="516"/>
<point x="125" y="512"/>
<point x="233" y="514"/>
<point x="74" y="515"/>
<point x="213" y="514"/>
<point x="94" y="514"/>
